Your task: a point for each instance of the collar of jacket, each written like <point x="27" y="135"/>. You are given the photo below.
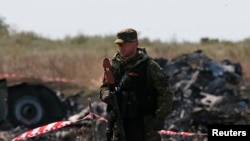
<point x="137" y="59"/>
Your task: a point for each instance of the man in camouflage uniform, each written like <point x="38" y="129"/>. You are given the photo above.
<point x="145" y="97"/>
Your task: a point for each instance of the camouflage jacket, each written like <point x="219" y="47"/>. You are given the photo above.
<point x="155" y="75"/>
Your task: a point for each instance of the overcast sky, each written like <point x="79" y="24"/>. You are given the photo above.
<point x="167" y="20"/>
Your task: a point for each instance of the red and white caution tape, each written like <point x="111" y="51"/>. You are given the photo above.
<point x="91" y="116"/>
<point x="169" y="132"/>
<point x="63" y="80"/>
<point x="44" y="78"/>
<point x="53" y="126"/>
<point x="43" y="129"/>
<point x="11" y="75"/>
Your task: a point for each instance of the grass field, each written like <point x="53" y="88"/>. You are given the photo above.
<point x="80" y="58"/>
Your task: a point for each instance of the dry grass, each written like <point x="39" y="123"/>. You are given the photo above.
<point x="80" y="58"/>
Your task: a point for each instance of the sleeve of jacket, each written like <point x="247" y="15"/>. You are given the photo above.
<point x="103" y="91"/>
<point x="160" y="80"/>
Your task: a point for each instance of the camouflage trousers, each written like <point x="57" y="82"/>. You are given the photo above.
<point x="150" y="133"/>
<point x="138" y="130"/>
<point x="133" y="129"/>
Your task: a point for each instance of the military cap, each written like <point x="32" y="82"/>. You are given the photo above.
<point x="126" y="35"/>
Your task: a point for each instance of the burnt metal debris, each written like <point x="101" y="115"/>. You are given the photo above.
<point x="206" y="92"/>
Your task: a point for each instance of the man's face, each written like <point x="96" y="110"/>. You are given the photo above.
<point x="127" y="50"/>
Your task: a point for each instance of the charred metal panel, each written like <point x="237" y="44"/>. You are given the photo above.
<point x="33" y="105"/>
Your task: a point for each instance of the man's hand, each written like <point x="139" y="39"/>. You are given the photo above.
<point x="105" y="96"/>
